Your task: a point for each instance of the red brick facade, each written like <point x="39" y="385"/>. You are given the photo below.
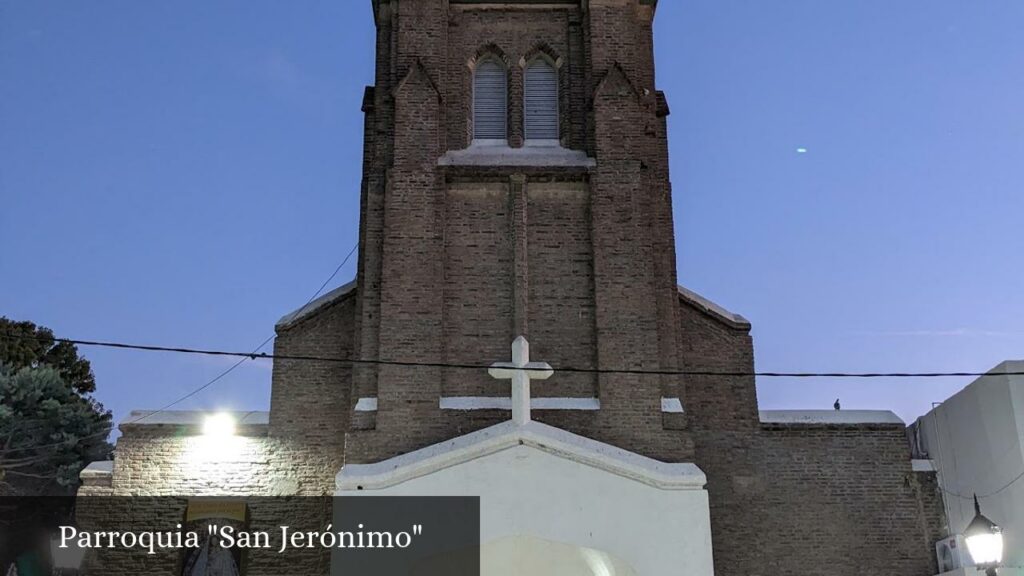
<point x="457" y="258"/>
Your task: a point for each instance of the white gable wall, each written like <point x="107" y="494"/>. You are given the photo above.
<point x="527" y="491"/>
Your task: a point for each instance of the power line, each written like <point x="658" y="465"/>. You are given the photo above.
<point x="465" y="366"/>
<point x="982" y="496"/>
<point x="252" y="355"/>
<point x="209" y="383"/>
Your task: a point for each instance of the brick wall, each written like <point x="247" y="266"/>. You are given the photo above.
<point x="299" y="385"/>
<point x="478" y="289"/>
<point x="160" y="467"/>
<point x="584" y="281"/>
<point x="834" y="500"/>
<point x="455" y="261"/>
<point x="560" y="323"/>
<point x="799" y="499"/>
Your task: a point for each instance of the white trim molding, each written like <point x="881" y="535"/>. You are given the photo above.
<point x="99" y="470"/>
<point x="672" y="406"/>
<point x="708" y="307"/>
<point x="829" y="417"/>
<point x="563" y="444"/>
<point x="368" y="404"/>
<point x="296" y="316"/>
<point x="191" y="417"/>
<point x="467" y="403"/>
<point x="923" y="465"/>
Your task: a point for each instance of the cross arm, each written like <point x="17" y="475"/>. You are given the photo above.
<point x="535" y="370"/>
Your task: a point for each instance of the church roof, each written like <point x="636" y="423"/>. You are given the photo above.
<point x="667" y="476"/>
<point x="714" y="310"/>
<point x="294" y="317"/>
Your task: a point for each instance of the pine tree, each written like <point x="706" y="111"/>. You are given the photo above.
<point x="50" y="426"/>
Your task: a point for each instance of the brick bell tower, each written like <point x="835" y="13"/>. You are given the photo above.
<point x="515" y="182"/>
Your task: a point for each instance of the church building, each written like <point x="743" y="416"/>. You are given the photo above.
<point x="516" y="213"/>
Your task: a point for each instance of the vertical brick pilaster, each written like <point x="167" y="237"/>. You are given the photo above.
<point x="515" y="104"/>
<point x="519" y="214"/>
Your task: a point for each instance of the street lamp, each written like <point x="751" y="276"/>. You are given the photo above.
<point x="984" y="541"/>
<point x="67" y="559"/>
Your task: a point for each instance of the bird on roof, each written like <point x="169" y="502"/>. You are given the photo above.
<point x="836" y="405"/>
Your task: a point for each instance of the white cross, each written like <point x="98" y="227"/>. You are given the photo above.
<point x="520" y="370"/>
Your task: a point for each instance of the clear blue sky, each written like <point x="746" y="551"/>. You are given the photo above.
<point x="186" y="172"/>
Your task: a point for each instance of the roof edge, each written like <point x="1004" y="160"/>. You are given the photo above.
<point x="1004" y="373"/>
<point x="508" y="434"/>
<point x="1006" y="368"/>
<point x="250" y="419"/>
<point x="97" y="469"/>
<point x="830" y="417"/>
<point x="708" y="307"/>
<point x="312" y="308"/>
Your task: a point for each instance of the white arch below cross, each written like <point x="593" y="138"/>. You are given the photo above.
<point x="520" y="371"/>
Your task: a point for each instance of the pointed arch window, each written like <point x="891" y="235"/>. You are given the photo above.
<point x="540" y="104"/>
<point x="490" y="101"/>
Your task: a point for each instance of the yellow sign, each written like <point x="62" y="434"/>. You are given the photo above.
<point x="204" y="509"/>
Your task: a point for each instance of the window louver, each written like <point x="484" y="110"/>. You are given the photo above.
<point x="541" y="101"/>
<point x="490" y="106"/>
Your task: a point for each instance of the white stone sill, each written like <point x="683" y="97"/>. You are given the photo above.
<point x="468" y="403"/>
<point x="541" y="153"/>
<point x="922" y="465"/>
<point x="98" y="469"/>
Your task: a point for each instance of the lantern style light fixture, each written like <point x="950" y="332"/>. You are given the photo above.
<point x="984" y="541"/>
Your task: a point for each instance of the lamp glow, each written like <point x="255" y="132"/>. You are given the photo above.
<point x="984" y="541"/>
<point x="219" y="426"/>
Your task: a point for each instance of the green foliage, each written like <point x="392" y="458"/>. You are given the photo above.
<point x="23" y="344"/>
<point x="50" y="427"/>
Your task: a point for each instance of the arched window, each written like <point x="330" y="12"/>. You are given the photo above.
<point x="540" y="106"/>
<point x="490" y="104"/>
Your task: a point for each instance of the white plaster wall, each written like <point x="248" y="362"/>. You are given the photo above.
<point x="976" y="439"/>
<point x="518" y="555"/>
<point x="525" y="491"/>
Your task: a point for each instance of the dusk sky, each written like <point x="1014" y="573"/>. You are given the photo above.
<point x="847" y="174"/>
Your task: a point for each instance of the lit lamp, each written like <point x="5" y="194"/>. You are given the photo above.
<point x="68" y="559"/>
<point x="217" y="441"/>
<point x="219" y="426"/>
<point x="984" y="541"/>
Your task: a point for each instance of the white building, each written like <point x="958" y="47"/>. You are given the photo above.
<point x="975" y="439"/>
